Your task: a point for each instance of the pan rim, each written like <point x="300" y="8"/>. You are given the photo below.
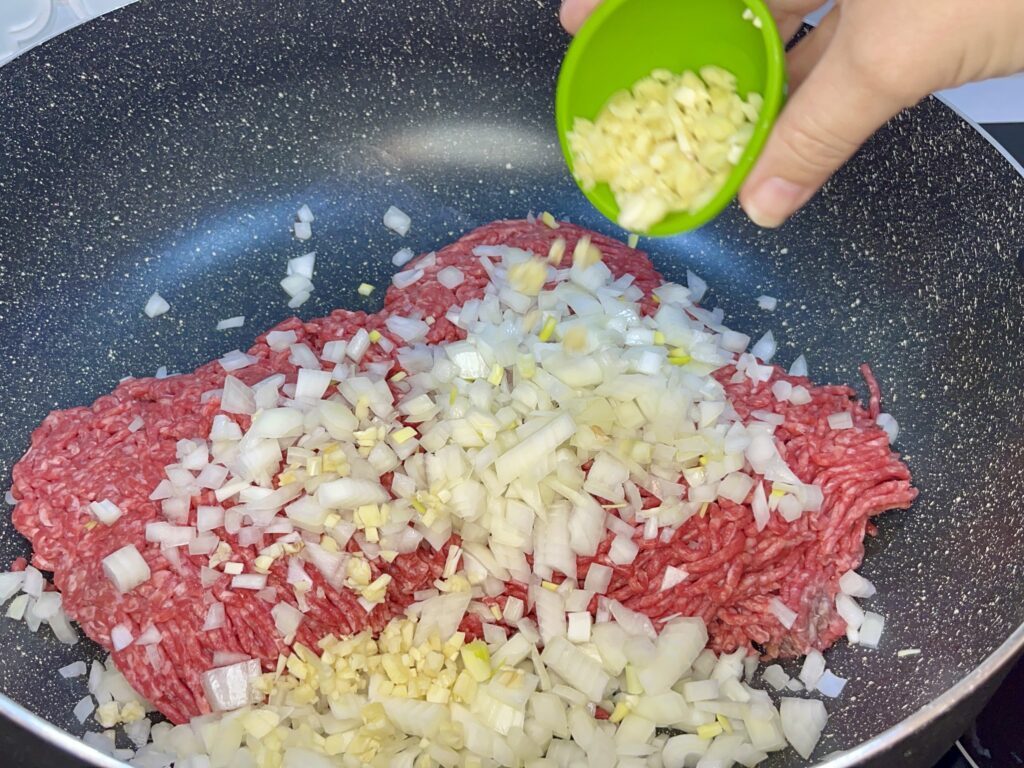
<point x="1001" y="657"/>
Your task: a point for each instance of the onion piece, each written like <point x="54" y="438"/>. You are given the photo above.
<point x="407" y="277"/>
<point x="802" y="723"/>
<point x="236" y="360"/>
<point x="450" y="277"/>
<point x="231" y="687"/>
<point x="696" y="285"/>
<point x="799" y="367"/>
<point x="74" y="669"/>
<point x="287" y="619"/>
<point x="156" y="305"/>
<point x="403" y="257"/>
<point x="397" y="221"/>
<point x="121" y="637"/>
<point x="231" y="322"/>
<point x="855" y="585"/>
<point x="871" y="629"/>
<point x="442" y="614"/>
<point x="304" y="214"/>
<point x="84" y="709"/>
<point x="598" y="578"/>
<point x="237" y="397"/>
<point x="889" y="425"/>
<point x="812" y="670"/>
<point x="830" y="685"/>
<point x="215" y="617"/>
<point x="578" y="669"/>
<point x="126" y="568"/>
<point x="253" y="581"/>
<point x="841" y="420"/>
<point x="786" y="616"/>
<point x="302" y="266"/>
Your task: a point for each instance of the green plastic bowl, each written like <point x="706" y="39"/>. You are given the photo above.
<point x="625" y="40"/>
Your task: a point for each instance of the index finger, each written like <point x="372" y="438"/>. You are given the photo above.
<point x="575" y="12"/>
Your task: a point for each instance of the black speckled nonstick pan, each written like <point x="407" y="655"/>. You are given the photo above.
<point x="167" y="146"/>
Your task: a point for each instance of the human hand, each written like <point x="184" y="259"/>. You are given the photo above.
<point x="866" y="61"/>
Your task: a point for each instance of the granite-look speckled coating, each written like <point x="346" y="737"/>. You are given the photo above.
<point x="168" y="145"/>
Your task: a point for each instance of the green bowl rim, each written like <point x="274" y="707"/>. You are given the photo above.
<point x="677" y="223"/>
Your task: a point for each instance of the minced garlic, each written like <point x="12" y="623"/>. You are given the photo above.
<point x="666" y="145"/>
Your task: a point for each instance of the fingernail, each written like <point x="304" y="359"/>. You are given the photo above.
<point x="774" y="200"/>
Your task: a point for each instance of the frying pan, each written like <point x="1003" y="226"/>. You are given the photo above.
<point x="166" y="146"/>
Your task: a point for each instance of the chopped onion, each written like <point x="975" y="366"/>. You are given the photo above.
<point x="126" y="568"/>
<point x="855" y="585"/>
<point x="231" y="322"/>
<point x="451" y="277"/>
<point x="802" y="723"/>
<point x="734" y="341"/>
<point x="296" y="285"/>
<point x="830" y="685"/>
<point x="231" y="687"/>
<point x="311" y="384"/>
<point x="302" y="230"/>
<point x="10" y="584"/>
<point x="169" y="536"/>
<point x="598" y="578"/>
<point x="871" y="629"/>
<point x="301" y="355"/>
<point x="350" y="492"/>
<point x="799" y="367"/>
<point x="443" y="614"/>
<point x="407" y="329"/>
<point x="215" y="617"/>
<point x="304" y="214"/>
<point x="253" y="581"/>
<point x="672" y="577"/>
<point x="889" y="425"/>
<point x="84" y="709"/>
<point x="767" y="303"/>
<point x="786" y="616"/>
<point x="120" y="637"/>
<point x="357" y="345"/>
<point x="403" y="257"/>
<point x="156" y="305"/>
<point x="841" y="420"/>
<point x="151" y="636"/>
<point x="106" y="511"/>
<point x="623" y="550"/>
<point x="406" y="278"/>
<point x="74" y="669"/>
<point x="696" y="285"/>
<point x="236" y="360"/>
<point x="281" y="340"/>
<point x="578" y="669"/>
<point x="764" y="349"/>
<point x="775" y="676"/>
<point x="849" y="610"/>
<point x="397" y="221"/>
<point x="286" y="619"/>
<point x="812" y="670"/>
<point x="800" y="395"/>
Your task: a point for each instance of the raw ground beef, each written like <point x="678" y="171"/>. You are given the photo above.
<point x="86" y="454"/>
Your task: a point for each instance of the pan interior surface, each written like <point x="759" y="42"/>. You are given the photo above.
<point x="167" y="147"/>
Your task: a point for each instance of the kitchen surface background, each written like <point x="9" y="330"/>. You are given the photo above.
<point x="998" y="105"/>
<point x="24" y="23"/>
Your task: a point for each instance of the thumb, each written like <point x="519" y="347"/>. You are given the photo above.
<point x="834" y="111"/>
